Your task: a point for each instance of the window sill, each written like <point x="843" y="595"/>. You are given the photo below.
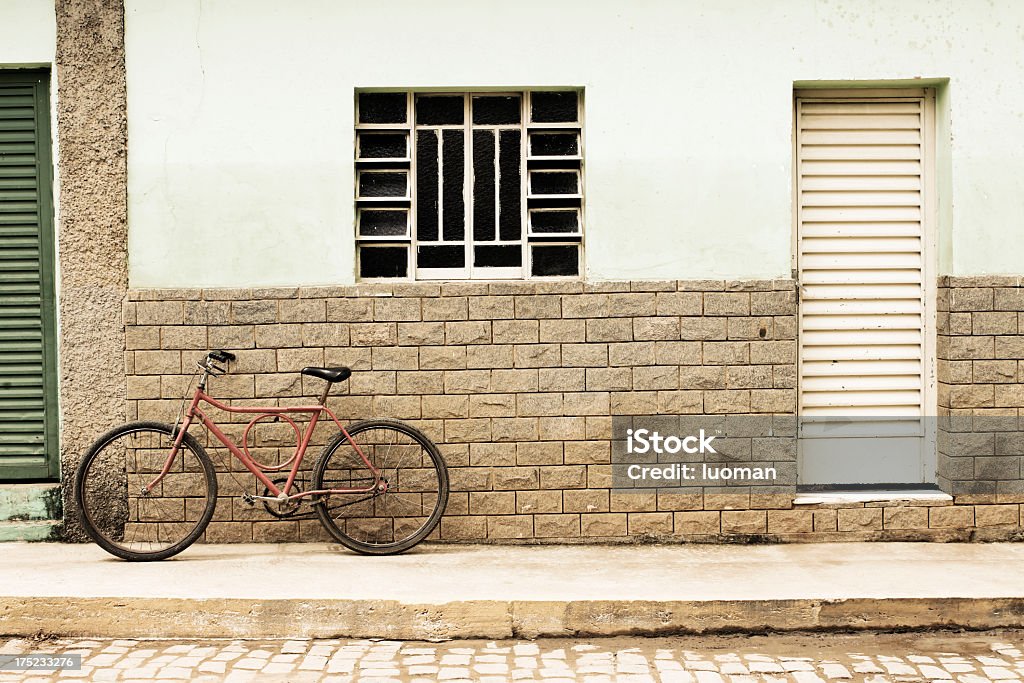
<point x="827" y="498"/>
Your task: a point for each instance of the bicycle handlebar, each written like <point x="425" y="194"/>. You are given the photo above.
<point x="221" y="356"/>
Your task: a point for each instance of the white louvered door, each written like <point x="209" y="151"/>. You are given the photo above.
<point x="865" y="364"/>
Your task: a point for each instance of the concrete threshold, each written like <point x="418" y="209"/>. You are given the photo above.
<point x="438" y="592"/>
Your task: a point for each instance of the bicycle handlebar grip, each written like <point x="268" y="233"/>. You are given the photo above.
<point x="221" y="356"/>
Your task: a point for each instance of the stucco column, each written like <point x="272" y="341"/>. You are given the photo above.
<point x="92" y="130"/>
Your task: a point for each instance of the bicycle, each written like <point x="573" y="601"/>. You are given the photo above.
<point x="147" y="490"/>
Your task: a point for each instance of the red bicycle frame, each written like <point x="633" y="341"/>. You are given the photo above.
<point x="194" y="411"/>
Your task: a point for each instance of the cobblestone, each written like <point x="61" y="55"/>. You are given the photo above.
<point x="880" y="658"/>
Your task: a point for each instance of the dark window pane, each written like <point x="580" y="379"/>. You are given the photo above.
<point x="494" y="256"/>
<point x="426" y="185"/>
<point x="382" y="184"/>
<point x="439" y="110"/>
<point x="386" y="223"/>
<point x="554" y="107"/>
<point x="554" y="221"/>
<point x="441" y="257"/>
<point x="509" y="160"/>
<point x="454" y="170"/>
<point x="554" y="144"/>
<point x="483" y="185"/>
<point x="492" y="110"/>
<point x="382" y="146"/>
<point x="554" y="182"/>
<point x="555" y="260"/>
<point x="382" y="107"/>
<point x="383" y="261"/>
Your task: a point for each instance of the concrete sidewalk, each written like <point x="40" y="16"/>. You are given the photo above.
<point x="460" y="591"/>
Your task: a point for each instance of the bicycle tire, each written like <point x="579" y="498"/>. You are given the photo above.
<point x="342" y="532"/>
<point x="89" y="518"/>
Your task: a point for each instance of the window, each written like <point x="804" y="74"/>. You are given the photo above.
<point x="469" y="185"/>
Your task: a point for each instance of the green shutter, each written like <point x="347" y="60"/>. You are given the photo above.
<point x="28" y="373"/>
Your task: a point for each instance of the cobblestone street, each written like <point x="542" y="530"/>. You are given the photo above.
<point x="941" y="656"/>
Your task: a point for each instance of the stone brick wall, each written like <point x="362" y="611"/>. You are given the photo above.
<point x="518" y="383"/>
<point x="980" y="355"/>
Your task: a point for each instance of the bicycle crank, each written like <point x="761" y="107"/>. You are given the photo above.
<point x="281" y="506"/>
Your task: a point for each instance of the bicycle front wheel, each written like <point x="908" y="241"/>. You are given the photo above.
<point x="136" y="525"/>
<point x="396" y="515"/>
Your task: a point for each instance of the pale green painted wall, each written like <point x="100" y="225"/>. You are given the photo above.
<point x="240" y="122"/>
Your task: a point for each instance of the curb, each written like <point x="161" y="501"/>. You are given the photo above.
<point x="492" y="619"/>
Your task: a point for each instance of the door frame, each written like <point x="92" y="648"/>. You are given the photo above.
<point x="929" y="252"/>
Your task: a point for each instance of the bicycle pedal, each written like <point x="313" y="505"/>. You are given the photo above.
<point x="248" y="499"/>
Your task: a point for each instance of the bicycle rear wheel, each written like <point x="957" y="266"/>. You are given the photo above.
<point x="389" y="521"/>
<point x="139" y="526"/>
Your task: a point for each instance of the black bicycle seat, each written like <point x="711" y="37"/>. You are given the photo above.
<point x="332" y="375"/>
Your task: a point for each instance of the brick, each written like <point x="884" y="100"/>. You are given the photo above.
<point x="442" y="357"/>
<point x="278" y="336"/>
<point x="609" y="329"/>
<point x="773" y="303"/>
<point x="750" y="328"/>
<point x="585" y="306"/>
<point x="374" y="334"/>
<point x="392" y="310"/>
<point x="467" y="332"/>
<point x="395" y="358"/>
<point x="700" y="329"/>
<point x="631" y="353"/>
<point x="970" y="348"/>
<point x="677" y="353"/>
<point x="634" y="501"/>
<point x="773" y="352"/>
<point x="510" y="526"/>
<point x="773" y="400"/>
<point x="744" y="522"/>
<point x="634" y="402"/>
<point x="515" y="331"/>
<point x="609" y="379"/>
<point x="423" y="382"/>
<point x="728" y="303"/>
<point x="561" y="477"/>
<point x="729" y="401"/>
<point x="293" y="360"/>
<point x="421" y="334"/>
<point x="515" y="478"/>
<point x="556" y="526"/>
<point x="562" y="428"/>
<point x="206" y="313"/>
<point x="584" y="355"/>
<point x="1009" y="299"/>
<point x="826" y="520"/>
<point x="680" y="402"/>
<point x="790" y="521"/>
<point x="492" y="454"/>
<point x="463" y="528"/>
<point x="1009" y="395"/>
<point x="350" y="310"/>
<point x="368" y="383"/>
<point x="997" y="467"/>
<point x="537" y="355"/>
<point x="596" y="525"/>
<point x="562" y="379"/>
<point x="679" y="303"/>
<point x="725" y="353"/>
<point x="971" y="396"/>
<point x="1010" y="347"/>
<point x="859" y="519"/>
<point x="654" y="524"/>
<point x="253" y="312"/>
<point x="563" y="331"/>
<point x="162" y="312"/>
<point x="702" y="377"/>
<point x="539" y="405"/>
<point x="904" y="517"/>
<point x="514" y="429"/>
<point x="538" y="453"/>
<point x="232" y="337"/>
<point x="302" y="311"/>
<point x="445" y="308"/>
<point x="157" y="362"/>
<point x="492" y="503"/>
<point x="586" y="452"/>
<point x="749" y="377"/>
<point x="655" y="328"/>
<point x="491" y="307"/>
<point x="951" y="517"/>
<point x="492" y="405"/>
<point x="325" y="334"/>
<point x="996" y="515"/>
<point x="464" y="431"/>
<point x="467" y="381"/>
<point x="142" y="387"/>
<point x="538" y="306"/>
<point x="486" y="356"/>
<point x="660" y="377"/>
<point x="697" y="523"/>
<point x="971" y="299"/>
<point x="398" y="407"/>
<point x="514" y="380"/>
<point x="993" y="323"/>
<point x="585" y="500"/>
<point x="142" y="338"/>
